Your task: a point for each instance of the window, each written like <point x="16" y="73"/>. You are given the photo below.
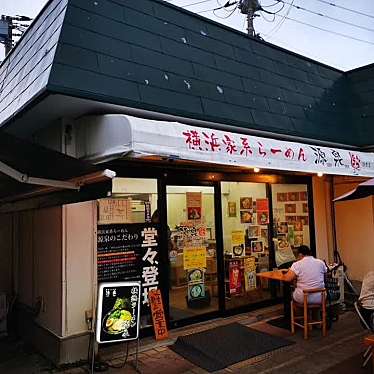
<point x="291" y="221"/>
<point x="245" y="212"/>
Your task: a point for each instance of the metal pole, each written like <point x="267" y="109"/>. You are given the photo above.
<point x="250" y="16"/>
<point x="9" y="41"/>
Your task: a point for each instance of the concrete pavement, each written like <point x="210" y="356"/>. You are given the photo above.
<point x="315" y="355"/>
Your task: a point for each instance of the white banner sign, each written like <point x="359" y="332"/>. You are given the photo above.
<point x="139" y="136"/>
<point x="222" y="147"/>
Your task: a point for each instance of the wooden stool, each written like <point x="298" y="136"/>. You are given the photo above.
<point x="308" y="308"/>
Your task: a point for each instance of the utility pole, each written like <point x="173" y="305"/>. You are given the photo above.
<point x="249" y="7"/>
<point x="9" y="41"/>
<point x="8" y="27"/>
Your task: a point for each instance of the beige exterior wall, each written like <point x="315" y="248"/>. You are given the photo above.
<point x="79" y="227"/>
<point x="47" y="274"/>
<point x="354" y="229"/>
<point x="322" y="218"/>
<point x="30" y="265"/>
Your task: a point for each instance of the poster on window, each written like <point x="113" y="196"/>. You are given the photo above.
<point x="238" y="242"/>
<point x="231" y="208"/>
<point x="194" y="258"/>
<point x="194" y="205"/>
<point x="262" y="207"/>
<point x="250" y="273"/>
<point x="114" y="211"/>
<point x="235" y="278"/>
<point x="196" y="284"/>
<point x="129" y="252"/>
<point x="118" y="312"/>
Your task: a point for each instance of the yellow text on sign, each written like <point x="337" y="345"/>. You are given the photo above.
<point x="194" y="258"/>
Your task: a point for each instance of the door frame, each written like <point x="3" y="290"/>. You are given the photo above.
<point x="203" y="179"/>
<point x="178" y="181"/>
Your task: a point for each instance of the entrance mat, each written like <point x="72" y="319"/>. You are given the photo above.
<point x="280" y="322"/>
<point x="226" y="345"/>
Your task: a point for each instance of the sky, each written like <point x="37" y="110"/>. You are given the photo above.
<point x="344" y="53"/>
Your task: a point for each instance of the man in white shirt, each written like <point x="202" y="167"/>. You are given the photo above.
<point x="309" y="273"/>
<point x="366" y="299"/>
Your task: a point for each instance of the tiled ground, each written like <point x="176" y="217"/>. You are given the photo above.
<point x="317" y="354"/>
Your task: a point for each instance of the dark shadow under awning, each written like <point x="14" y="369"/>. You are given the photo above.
<point x="27" y="169"/>
<point x="362" y="190"/>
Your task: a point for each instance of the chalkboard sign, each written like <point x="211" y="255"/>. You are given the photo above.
<point x="118" y="312"/>
<point x="129" y="252"/>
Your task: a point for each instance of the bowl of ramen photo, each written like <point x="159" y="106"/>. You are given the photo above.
<point x="118" y="320"/>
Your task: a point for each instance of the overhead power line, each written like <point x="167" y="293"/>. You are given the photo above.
<point x="280" y="23"/>
<point x="347" y="9"/>
<point x="228" y="4"/>
<point x="285" y="16"/>
<point x="198" y="2"/>
<point x="328" y="17"/>
<point x="329" y="31"/>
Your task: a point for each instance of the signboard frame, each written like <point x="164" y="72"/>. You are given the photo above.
<point x="99" y="311"/>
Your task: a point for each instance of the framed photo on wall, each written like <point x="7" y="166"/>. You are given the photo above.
<point x="231" y="208"/>
<point x="293" y="196"/>
<point x="246" y="203"/>
<point x="246" y="216"/>
<point x="257" y="246"/>
<point x="253" y="231"/>
<point x="290" y="208"/>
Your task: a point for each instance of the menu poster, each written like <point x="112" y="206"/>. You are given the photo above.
<point x="262" y="206"/>
<point x="114" y="211"/>
<point x="250" y="273"/>
<point x="129" y="252"/>
<point x="235" y="278"/>
<point x="194" y="204"/>
<point x="238" y="242"/>
<point x="118" y="312"/>
<point x="194" y="258"/>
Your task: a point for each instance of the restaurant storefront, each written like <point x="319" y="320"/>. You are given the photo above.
<point x="228" y="147"/>
<point x="221" y="220"/>
<point x="217" y="231"/>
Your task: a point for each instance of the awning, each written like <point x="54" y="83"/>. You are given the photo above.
<point x="106" y="137"/>
<point x="27" y="169"/>
<point x="364" y="189"/>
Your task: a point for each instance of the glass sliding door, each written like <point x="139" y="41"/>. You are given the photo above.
<point x="245" y="218"/>
<point x="193" y="285"/>
<point x="291" y="221"/>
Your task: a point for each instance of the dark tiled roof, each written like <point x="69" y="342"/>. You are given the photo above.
<point x="154" y="56"/>
<point x="361" y="101"/>
<point x="24" y="73"/>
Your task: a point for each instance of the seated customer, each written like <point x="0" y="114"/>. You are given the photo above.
<point x="309" y="273"/>
<point x="366" y="299"/>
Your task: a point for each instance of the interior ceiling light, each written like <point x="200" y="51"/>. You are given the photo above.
<point x="320" y="174"/>
<point x="256" y="170"/>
